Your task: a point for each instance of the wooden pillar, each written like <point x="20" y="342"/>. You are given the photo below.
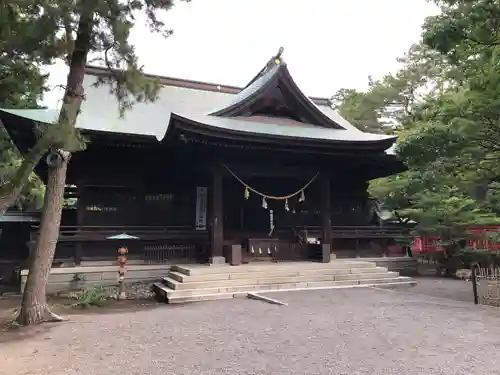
<point x="78" y="253"/>
<point x="217" y="229"/>
<point x="326" y="221"/>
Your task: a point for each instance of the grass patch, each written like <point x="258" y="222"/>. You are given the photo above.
<point x="93" y="297"/>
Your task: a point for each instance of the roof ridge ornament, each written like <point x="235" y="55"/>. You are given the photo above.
<point x="277" y="58"/>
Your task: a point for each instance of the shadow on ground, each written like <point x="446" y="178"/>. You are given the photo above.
<point x="9" y="308"/>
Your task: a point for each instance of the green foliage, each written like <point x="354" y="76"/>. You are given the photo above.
<point x="41" y="32"/>
<point x="444" y="104"/>
<point x="90" y="297"/>
<point x="390" y="103"/>
<point x="21" y="86"/>
<point x="78" y="277"/>
<point x="359" y="109"/>
<point x="484" y="258"/>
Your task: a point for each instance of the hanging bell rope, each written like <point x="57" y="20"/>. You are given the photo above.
<point x="248" y="188"/>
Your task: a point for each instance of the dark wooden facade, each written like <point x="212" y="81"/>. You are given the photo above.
<point x="146" y="187"/>
<point x="149" y="190"/>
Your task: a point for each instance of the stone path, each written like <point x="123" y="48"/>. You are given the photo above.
<point x="362" y="331"/>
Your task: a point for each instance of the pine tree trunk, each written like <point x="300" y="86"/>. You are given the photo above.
<point x="34" y="308"/>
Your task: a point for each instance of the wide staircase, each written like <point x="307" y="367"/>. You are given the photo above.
<point x="202" y="282"/>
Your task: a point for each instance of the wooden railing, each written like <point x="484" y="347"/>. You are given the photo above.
<point x="359" y="232"/>
<point x="155" y="244"/>
<point x="101" y="233"/>
<point x="369" y="232"/>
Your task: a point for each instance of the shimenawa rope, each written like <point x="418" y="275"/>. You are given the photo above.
<point x="275" y="197"/>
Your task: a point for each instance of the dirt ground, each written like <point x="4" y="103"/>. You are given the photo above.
<point x="430" y="286"/>
<point x="457" y="290"/>
<point x="9" y="309"/>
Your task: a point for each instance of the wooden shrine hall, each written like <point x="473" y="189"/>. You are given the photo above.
<point x="215" y="173"/>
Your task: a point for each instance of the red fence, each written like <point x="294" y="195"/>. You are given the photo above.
<point x="481" y="240"/>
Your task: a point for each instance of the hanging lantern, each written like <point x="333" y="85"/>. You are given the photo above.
<point x="252" y="250"/>
<point x="260" y="251"/>
<point x="302" y="196"/>
<point x="264" y="203"/>
<point x="247" y="193"/>
<point x="286" y="205"/>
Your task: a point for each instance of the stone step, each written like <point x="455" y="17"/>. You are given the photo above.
<point x="162" y="294"/>
<point x="183" y="296"/>
<point x="274" y="273"/>
<point x="202" y="269"/>
<point x="274" y="287"/>
<point x="177" y="285"/>
<point x="205" y="297"/>
<point x="160" y="290"/>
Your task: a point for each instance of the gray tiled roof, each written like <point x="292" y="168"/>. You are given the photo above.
<point x="248" y="91"/>
<point x="92" y="121"/>
<point x="336" y="117"/>
<point x="100" y="112"/>
<point x="293" y="130"/>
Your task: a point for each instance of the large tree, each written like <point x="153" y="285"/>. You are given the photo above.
<point x="388" y="104"/>
<point x="443" y="105"/>
<point x="21" y="86"/>
<point x="80" y="28"/>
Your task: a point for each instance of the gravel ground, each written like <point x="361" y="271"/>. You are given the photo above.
<point x="361" y="331"/>
<point x="458" y="290"/>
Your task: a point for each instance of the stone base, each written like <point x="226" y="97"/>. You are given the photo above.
<point x="217" y="261"/>
<point x="61" y="279"/>
<point x="236" y="255"/>
<point x="325" y="252"/>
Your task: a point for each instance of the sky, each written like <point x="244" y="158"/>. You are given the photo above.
<point x="328" y="44"/>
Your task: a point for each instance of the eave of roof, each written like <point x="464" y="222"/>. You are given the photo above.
<point x="296" y="131"/>
<point x="265" y="128"/>
<point x="43" y="115"/>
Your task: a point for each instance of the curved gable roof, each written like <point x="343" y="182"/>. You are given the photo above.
<point x="276" y="74"/>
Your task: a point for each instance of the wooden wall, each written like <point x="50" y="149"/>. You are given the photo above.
<point x="147" y="187"/>
<point x="168" y="206"/>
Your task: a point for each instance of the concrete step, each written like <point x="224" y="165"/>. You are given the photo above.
<point x="200" y="269"/>
<point x="274" y="273"/>
<point x="205" y="297"/>
<point x="260" y="287"/>
<point x="178" y="285"/>
<point x="202" y="283"/>
<point x="183" y="296"/>
<point x="161" y="291"/>
<point x="163" y="294"/>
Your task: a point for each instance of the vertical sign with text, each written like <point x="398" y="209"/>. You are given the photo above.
<point x="201" y="208"/>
